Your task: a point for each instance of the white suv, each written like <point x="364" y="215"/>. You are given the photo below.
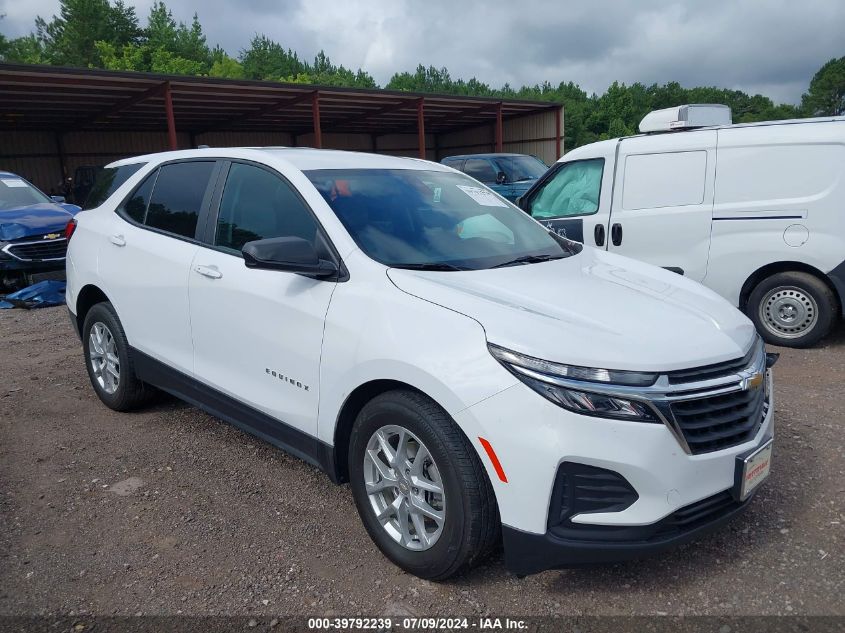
<point x="476" y="378"/>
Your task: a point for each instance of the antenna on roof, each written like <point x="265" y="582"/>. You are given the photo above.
<point x="686" y="117"/>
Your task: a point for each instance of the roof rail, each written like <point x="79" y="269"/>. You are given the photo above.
<point x="686" y="117"/>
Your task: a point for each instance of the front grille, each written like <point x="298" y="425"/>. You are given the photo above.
<point x="715" y="422"/>
<point x="709" y="372"/>
<point x="697" y="514"/>
<point x="580" y="488"/>
<point x="38" y="251"/>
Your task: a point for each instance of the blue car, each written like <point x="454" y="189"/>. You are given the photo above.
<point x="509" y="175"/>
<point x="32" y="233"/>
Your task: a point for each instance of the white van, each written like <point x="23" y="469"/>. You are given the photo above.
<point x="754" y="211"/>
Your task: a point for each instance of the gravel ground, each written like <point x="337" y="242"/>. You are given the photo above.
<point x="169" y="510"/>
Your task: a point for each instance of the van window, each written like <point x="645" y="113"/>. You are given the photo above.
<point x="177" y="198"/>
<point x="575" y="189"/>
<point x="671" y="179"/>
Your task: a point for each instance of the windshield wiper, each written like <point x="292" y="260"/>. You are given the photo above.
<point x="429" y="266"/>
<point x="528" y="259"/>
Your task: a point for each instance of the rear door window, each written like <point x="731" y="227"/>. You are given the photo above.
<point x="177" y="197"/>
<point x="107" y="182"/>
<point x="135" y="207"/>
<point x="573" y="190"/>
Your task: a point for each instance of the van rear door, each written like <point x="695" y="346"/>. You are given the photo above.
<point x="662" y="208"/>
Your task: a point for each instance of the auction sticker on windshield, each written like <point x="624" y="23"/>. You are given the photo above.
<point x="482" y="196"/>
<point x="13" y="182"/>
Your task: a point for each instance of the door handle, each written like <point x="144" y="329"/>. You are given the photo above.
<point x="209" y="271"/>
<point x="598" y="234"/>
<point x="117" y="240"/>
<point x="616" y="234"/>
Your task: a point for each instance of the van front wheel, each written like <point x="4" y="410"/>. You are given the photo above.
<point x="792" y="309"/>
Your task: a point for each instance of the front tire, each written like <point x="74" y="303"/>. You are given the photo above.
<point x="792" y="309"/>
<point x="419" y="486"/>
<point x="109" y="362"/>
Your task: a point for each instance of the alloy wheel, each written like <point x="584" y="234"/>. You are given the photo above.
<point x="102" y="353"/>
<point x="404" y="487"/>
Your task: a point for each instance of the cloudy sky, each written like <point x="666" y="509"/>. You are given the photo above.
<point x="768" y="46"/>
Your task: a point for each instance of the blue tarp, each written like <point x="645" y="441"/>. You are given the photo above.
<point x="40" y="295"/>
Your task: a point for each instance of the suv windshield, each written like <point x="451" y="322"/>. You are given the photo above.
<point x="432" y="219"/>
<point x="17" y="192"/>
<point x="520" y="168"/>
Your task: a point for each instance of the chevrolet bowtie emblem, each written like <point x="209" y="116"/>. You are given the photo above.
<point x="52" y="236"/>
<point x="754" y="382"/>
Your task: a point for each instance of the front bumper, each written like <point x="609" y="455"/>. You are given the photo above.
<point x="533" y="439"/>
<point x="527" y="553"/>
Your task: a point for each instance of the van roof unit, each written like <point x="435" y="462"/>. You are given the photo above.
<point x="686" y="117"/>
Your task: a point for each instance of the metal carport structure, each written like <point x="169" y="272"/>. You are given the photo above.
<point x="53" y="119"/>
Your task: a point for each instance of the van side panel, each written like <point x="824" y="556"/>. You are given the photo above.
<point x="780" y="197"/>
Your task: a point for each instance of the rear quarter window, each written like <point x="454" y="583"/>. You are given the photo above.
<point x="107" y="182"/>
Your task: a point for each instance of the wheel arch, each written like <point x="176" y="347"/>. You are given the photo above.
<point x="782" y="267"/>
<point x="89" y="296"/>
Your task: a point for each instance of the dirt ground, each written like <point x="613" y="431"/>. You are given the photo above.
<point x="169" y="510"/>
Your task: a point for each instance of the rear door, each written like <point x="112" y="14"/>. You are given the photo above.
<point x="663" y="200"/>
<point x="147" y="254"/>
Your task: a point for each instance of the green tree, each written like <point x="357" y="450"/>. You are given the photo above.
<point x="70" y="38"/>
<point x="266" y="59"/>
<point x="826" y="96"/>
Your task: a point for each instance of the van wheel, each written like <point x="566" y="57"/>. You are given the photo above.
<point x="420" y="488"/>
<point x="792" y="309"/>
<point x="108" y="361"/>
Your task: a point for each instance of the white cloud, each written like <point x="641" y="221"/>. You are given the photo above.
<point x="767" y="46"/>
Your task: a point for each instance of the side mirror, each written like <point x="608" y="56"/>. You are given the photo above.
<point x="501" y="178"/>
<point x="58" y="199"/>
<point x="291" y="254"/>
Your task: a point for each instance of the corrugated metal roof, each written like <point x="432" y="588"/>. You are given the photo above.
<point x="67" y="99"/>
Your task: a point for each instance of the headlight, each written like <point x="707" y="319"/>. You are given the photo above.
<point x="554" y="381"/>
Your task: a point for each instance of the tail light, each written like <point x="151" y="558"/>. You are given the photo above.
<point x="69" y="229"/>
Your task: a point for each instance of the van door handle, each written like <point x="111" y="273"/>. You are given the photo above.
<point x="598" y="234"/>
<point x="117" y="240"/>
<point x="209" y="271"/>
<point x="616" y="234"/>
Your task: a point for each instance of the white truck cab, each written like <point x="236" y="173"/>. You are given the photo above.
<point x="754" y="211"/>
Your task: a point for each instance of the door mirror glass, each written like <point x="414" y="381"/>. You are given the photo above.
<point x="291" y="254"/>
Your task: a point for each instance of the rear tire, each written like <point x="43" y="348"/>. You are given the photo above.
<point x="469" y="527"/>
<point x="108" y="360"/>
<point x="792" y="309"/>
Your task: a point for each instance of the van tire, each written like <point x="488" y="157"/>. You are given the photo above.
<point x="471" y="527"/>
<point x="778" y="299"/>
<point x="128" y="393"/>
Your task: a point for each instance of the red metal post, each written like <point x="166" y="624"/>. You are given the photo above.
<point x="499" y="132"/>
<point x="315" y="114"/>
<point x="171" y="121"/>
<point x="421" y="126"/>
<point x="557" y="133"/>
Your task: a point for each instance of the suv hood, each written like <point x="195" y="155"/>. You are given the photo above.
<point x="594" y="309"/>
<point x="34" y="220"/>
